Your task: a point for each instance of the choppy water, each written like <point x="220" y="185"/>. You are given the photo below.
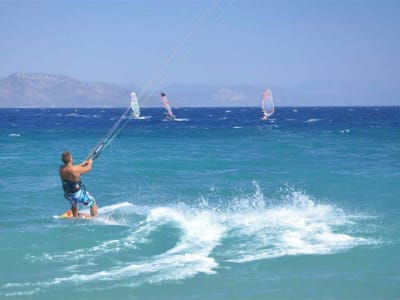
<point x="219" y="206"/>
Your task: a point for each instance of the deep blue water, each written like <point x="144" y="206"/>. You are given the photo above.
<point x="219" y="206"/>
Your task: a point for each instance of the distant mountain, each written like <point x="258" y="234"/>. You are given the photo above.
<point x="316" y="93"/>
<point x="47" y="90"/>
<point x="342" y="93"/>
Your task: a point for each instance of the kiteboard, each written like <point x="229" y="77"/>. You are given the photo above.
<point x="68" y="215"/>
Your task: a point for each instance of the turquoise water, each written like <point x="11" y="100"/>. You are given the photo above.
<point x="221" y="206"/>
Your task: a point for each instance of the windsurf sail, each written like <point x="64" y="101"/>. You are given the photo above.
<point x="135" y="106"/>
<point x="267" y="104"/>
<point x="167" y="106"/>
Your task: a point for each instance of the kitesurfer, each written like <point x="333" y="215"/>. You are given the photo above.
<point x="74" y="191"/>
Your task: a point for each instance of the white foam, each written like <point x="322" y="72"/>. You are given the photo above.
<point x="76" y="115"/>
<point x="22" y="294"/>
<point x="300" y="227"/>
<point x="312" y="120"/>
<point x="162" y="268"/>
<point x="249" y="228"/>
<point x="201" y="233"/>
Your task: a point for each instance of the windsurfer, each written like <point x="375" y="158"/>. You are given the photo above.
<point x="267" y="105"/>
<point x="264" y="115"/>
<point x="168" y="111"/>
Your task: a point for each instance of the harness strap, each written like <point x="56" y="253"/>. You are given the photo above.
<point x="71" y="187"/>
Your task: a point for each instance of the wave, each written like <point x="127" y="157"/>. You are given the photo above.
<point x="76" y="115"/>
<point x="178" y="241"/>
<point x="312" y="120"/>
<point x="181" y="120"/>
<point x="14" y="135"/>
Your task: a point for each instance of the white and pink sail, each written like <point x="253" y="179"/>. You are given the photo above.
<point x="167" y="106"/>
<point x="267" y="104"/>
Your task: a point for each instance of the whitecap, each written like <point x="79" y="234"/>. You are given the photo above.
<point x="312" y="120"/>
<point x="208" y="234"/>
<point x="301" y="227"/>
<point x="76" y="115"/>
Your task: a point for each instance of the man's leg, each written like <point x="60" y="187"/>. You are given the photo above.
<point x="74" y="209"/>
<point x="93" y="209"/>
<point x="91" y="202"/>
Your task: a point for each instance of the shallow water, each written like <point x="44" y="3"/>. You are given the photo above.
<point x="220" y="206"/>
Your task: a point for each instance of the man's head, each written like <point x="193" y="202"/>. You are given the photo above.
<point x="66" y="157"/>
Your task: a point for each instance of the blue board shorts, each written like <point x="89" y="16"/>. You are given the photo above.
<point x="82" y="197"/>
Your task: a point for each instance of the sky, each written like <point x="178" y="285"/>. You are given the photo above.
<point x="154" y="43"/>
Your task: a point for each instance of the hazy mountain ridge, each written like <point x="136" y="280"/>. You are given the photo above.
<point x="48" y="90"/>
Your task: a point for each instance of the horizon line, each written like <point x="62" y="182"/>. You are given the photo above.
<point x="185" y="107"/>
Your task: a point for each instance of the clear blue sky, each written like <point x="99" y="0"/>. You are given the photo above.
<point x="231" y="42"/>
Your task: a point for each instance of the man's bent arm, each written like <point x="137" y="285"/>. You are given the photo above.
<point x="86" y="166"/>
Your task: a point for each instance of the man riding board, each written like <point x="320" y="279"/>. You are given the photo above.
<point x="74" y="191"/>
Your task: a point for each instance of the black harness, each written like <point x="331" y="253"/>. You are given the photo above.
<point x="71" y="187"/>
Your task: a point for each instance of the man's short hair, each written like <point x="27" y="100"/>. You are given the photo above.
<point x="66" y="156"/>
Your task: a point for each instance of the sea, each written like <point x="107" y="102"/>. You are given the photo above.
<point x="216" y="205"/>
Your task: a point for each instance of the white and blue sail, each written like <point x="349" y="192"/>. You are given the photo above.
<point x="134" y="103"/>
